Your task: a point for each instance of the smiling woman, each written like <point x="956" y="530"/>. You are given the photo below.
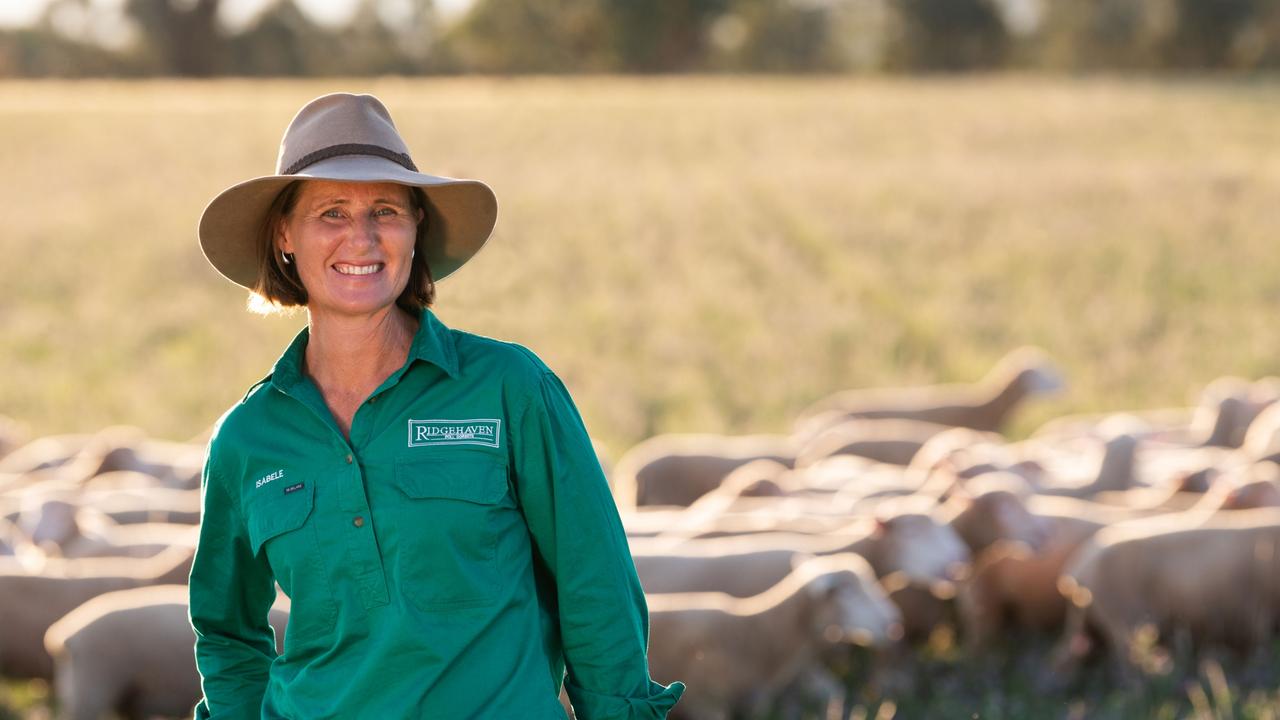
<point x="385" y="221"/>
<point x="429" y="499"/>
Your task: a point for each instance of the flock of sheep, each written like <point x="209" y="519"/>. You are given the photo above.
<point x="771" y="564"/>
<point x="889" y="515"/>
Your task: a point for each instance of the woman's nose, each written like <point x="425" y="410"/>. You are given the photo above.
<point x="364" y="231"/>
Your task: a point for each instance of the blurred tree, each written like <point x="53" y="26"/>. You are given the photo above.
<point x="668" y="36"/>
<point x="787" y="36"/>
<point x="1161" y="34"/>
<point x="531" y="36"/>
<point x="1207" y="31"/>
<point x="382" y="37"/>
<point x="182" y="35"/>
<point x="282" y="41"/>
<point x="946" y="35"/>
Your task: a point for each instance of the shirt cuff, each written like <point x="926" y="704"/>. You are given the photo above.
<point x="594" y="706"/>
<point x="245" y="711"/>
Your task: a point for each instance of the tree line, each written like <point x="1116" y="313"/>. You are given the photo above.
<point x="190" y="38"/>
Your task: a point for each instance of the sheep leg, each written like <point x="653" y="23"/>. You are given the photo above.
<point x="81" y="696"/>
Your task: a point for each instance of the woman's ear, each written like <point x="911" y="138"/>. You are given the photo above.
<point x="283" y="243"/>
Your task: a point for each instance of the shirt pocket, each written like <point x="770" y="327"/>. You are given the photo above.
<point x="448" y="525"/>
<point x="283" y="526"/>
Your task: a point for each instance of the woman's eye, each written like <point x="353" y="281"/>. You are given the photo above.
<point x="332" y="212"/>
<point x="385" y="211"/>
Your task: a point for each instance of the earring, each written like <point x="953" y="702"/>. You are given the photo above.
<point x="285" y="258"/>
<point x="412" y="252"/>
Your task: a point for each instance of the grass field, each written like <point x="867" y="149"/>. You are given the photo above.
<point x="691" y="254"/>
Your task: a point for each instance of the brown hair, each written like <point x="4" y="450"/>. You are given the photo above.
<point x="278" y="285"/>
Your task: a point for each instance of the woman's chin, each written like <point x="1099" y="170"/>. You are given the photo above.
<point x="367" y="303"/>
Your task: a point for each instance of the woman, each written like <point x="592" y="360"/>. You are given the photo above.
<point x="427" y="498"/>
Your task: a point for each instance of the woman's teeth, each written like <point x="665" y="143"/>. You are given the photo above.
<point x="358" y="269"/>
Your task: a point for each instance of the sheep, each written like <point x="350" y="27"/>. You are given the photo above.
<point x="1228" y="406"/>
<point x="1262" y="440"/>
<point x="1020" y="547"/>
<point x="31" y="602"/>
<point x="678" y="469"/>
<point x="131" y="652"/>
<point x="740" y="574"/>
<point x="1116" y="469"/>
<point x="120" y="481"/>
<point x="924" y="606"/>
<point x="63" y="529"/>
<point x="1217" y="580"/>
<point x="1169" y="425"/>
<point x="737" y="654"/>
<point x="986" y="405"/>
<point x="893" y="441"/>
<point x="110" y="449"/>
<point x="154" y="504"/>
<point x="756" y="479"/>
<point x="992" y="516"/>
<point x="1256" y="486"/>
<point x="1019" y="552"/>
<point x="912" y="543"/>
<point x="43" y="453"/>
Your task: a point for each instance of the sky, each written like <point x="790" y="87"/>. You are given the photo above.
<point x="236" y="12"/>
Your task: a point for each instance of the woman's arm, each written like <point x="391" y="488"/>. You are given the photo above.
<point x="573" y="520"/>
<point x="231" y="592"/>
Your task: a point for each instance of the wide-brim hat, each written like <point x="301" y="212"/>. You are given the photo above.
<point x="346" y="137"/>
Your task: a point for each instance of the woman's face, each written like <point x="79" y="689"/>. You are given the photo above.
<point x="352" y="244"/>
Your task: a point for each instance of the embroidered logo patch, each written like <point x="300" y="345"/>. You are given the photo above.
<point x="476" y="431"/>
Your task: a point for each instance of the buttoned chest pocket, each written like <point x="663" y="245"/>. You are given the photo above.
<point x="449" y="524"/>
<point x="283" y="527"/>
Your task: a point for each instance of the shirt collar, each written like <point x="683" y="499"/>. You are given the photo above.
<point x="432" y="343"/>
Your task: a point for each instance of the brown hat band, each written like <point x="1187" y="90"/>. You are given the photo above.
<point x="325" y="153"/>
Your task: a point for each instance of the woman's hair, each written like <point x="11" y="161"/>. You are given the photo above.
<point x="278" y="285"/>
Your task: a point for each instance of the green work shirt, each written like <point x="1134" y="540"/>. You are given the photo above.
<point x="452" y="560"/>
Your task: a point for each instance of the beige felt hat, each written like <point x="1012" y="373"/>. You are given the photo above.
<point x="346" y="137"/>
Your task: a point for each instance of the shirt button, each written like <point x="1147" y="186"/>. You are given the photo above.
<point x="348" y="458"/>
<point x="358" y="521"/>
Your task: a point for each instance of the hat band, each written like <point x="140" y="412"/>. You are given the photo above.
<point x="325" y="153"/>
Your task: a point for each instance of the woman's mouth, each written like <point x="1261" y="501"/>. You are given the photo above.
<point x="349" y="269"/>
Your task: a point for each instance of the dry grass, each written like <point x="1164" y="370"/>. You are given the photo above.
<point x="690" y="253"/>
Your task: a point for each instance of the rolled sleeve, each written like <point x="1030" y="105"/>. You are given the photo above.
<point x="230" y="595"/>
<point x="578" y="537"/>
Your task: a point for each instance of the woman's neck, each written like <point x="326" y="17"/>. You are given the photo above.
<point x="353" y="354"/>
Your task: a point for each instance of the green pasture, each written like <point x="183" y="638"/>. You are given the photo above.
<point x="690" y="254"/>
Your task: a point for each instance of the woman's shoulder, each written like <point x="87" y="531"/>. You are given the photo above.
<point x="489" y="354"/>
<point x="241" y="421"/>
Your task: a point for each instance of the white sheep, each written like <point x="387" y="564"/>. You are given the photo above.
<point x="131" y="652"/>
<point x="737" y="654"/>
<point x="986" y="405"/>
<point x="30" y="602"/>
<point x="678" y="469"/>
<point x="893" y="440"/>
<point x="1218" y="580"/>
<point x="915" y="544"/>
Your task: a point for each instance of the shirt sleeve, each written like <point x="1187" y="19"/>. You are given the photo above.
<point x="577" y="534"/>
<point x="230" y="595"/>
